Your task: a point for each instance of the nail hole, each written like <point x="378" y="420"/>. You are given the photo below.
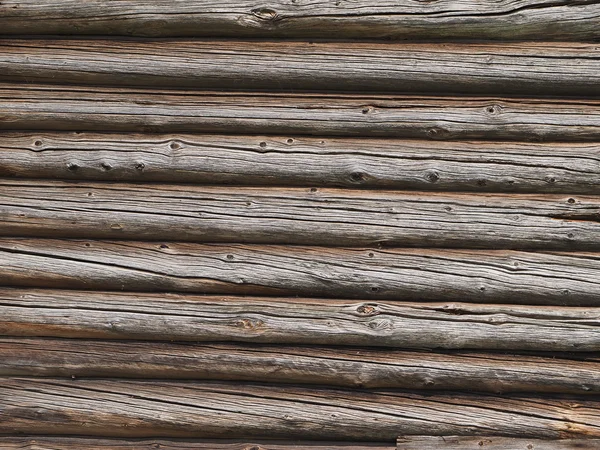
<point x="87" y="244"/>
<point x="374" y="289"/>
<point x="89" y="194"/>
<point x="571" y="200"/>
<point x="263" y="144"/>
<point x="371" y="255"/>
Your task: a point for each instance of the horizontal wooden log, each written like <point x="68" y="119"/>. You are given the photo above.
<point x="110" y="315"/>
<point x="526" y="20"/>
<point x="517" y="69"/>
<point x="69" y="108"/>
<point x="572" y="168"/>
<point x="330" y="217"/>
<point x="222" y="410"/>
<point x="492" y="443"/>
<point x="73" y="443"/>
<point x="492" y="276"/>
<point x="352" y="367"/>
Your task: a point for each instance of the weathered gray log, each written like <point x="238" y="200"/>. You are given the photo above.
<point x="490" y="69"/>
<point x="527" y="20"/>
<point x="69" y="108"/>
<point x="110" y="315"/>
<point x="73" y="443"/>
<point x="572" y="168"/>
<point x="493" y="443"/>
<point x="485" y="276"/>
<point x="353" y="367"/>
<point x="233" y="410"/>
<point x="332" y="217"/>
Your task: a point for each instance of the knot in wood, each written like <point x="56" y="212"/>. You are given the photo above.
<point x="367" y="310"/>
<point x="265" y="14"/>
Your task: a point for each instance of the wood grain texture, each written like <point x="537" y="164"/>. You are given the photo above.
<point x="331" y="217"/>
<point x="69" y="108"/>
<point x="572" y="168"/>
<point x="489" y="69"/>
<point x="492" y="443"/>
<point x="111" y="315"/>
<point x="222" y="410"/>
<point x="73" y="443"/>
<point x="484" y="276"/>
<point x="525" y="19"/>
<point x="352" y="367"/>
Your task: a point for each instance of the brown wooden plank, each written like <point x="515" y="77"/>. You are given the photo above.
<point x="519" y="68"/>
<point x="69" y="108"/>
<point x="332" y="217"/>
<point x="362" y="19"/>
<point x="73" y="443"/>
<point x="493" y="443"/>
<point x="351" y="367"/>
<point x="485" y="276"/>
<point x="479" y="166"/>
<point x="113" y="315"/>
<point x="221" y="410"/>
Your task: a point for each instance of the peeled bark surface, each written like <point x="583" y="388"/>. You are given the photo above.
<point x="476" y="166"/>
<point x="525" y="19"/>
<point x="110" y="315"/>
<point x="330" y="217"/>
<point x="222" y="410"/>
<point x="72" y="443"/>
<point x="492" y="443"/>
<point x="351" y="367"/>
<point x="482" y="69"/>
<point x="70" y="108"/>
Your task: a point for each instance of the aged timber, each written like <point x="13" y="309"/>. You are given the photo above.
<point x="113" y="315"/>
<point x="362" y="19"/>
<point x="489" y="69"/>
<point x="122" y="408"/>
<point x="493" y="443"/>
<point x="332" y="217"/>
<point x="486" y="166"/>
<point x="69" y="108"/>
<point x="73" y="443"/>
<point x="493" y="276"/>
<point x="352" y="367"/>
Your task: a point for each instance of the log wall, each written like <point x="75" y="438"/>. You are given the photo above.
<point x="318" y="225"/>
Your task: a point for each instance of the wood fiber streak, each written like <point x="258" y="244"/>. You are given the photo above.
<point x="363" y="19"/>
<point x="222" y="410"/>
<point x="352" y="367"/>
<point x="72" y="443"/>
<point x="304" y="161"/>
<point x="492" y="443"/>
<point x="111" y="315"/>
<point x="488" y="69"/>
<point x="69" y="108"/>
<point x="331" y="217"/>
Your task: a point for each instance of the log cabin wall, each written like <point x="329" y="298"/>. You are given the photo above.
<point x="298" y="224"/>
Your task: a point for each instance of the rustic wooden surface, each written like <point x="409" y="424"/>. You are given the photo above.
<point x="492" y="276"/>
<point x="121" y="408"/>
<point x="351" y="367"/>
<point x="492" y="443"/>
<point x="69" y="108"/>
<point x="520" y="68"/>
<point x="564" y="20"/>
<point x="110" y="315"/>
<point x="298" y="216"/>
<point x="71" y="443"/>
<point x="478" y="166"/>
